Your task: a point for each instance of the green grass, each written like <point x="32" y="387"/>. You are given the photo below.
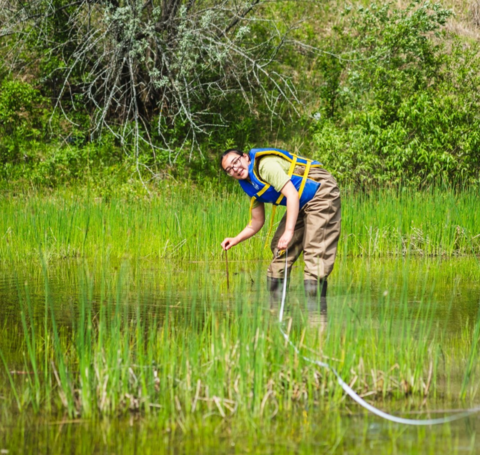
<point x="121" y="309"/>
<point x="207" y="352"/>
<point x="188" y="223"/>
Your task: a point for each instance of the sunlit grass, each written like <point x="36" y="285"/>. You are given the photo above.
<point x="185" y="223"/>
<point x="203" y="351"/>
<point x="135" y="316"/>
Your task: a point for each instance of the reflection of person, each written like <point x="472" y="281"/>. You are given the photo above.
<point x="312" y="221"/>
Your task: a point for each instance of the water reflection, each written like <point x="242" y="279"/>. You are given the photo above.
<point x="452" y="286"/>
<point x="317" y="314"/>
<point x="310" y="310"/>
<point x="298" y="431"/>
<point x="192" y="292"/>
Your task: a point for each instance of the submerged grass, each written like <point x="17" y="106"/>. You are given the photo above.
<point x="207" y="353"/>
<point x="187" y="223"/>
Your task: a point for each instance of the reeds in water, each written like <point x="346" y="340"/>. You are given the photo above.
<point x="189" y="224"/>
<point x="200" y="352"/>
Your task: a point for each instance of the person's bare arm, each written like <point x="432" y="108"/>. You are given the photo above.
<point x="293" y="206"/>
<point x="258" y="220"/>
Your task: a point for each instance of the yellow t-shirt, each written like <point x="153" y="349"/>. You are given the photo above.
<point x="273" y="170"/>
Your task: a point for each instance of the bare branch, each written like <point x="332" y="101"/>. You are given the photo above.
<point x="151" y="72"/>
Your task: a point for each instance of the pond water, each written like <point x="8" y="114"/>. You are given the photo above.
<point x="423" y="297"/>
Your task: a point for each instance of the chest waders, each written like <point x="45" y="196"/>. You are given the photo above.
<point x="261" y="191"/>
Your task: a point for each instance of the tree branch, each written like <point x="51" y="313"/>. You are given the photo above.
<point x="241" y="16"/>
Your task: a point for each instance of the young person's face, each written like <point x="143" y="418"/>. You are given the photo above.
<point x="236" y="166"/>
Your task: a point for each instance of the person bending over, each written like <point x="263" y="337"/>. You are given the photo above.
<point x="311" y="223"/>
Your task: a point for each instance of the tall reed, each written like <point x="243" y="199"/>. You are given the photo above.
<point x="204" y="351"/>
<point x="188" y="223"/>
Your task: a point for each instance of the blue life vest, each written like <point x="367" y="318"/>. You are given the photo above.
<point x="264" y="192"/>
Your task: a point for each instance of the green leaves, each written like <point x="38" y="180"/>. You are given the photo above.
<point x="18" y="102"/>
<point x="403" y="111"/>
<point x="22" y="117"/>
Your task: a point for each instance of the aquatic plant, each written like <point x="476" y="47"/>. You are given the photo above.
<point x="185" y="223"/>
<point x="207" y="352"/>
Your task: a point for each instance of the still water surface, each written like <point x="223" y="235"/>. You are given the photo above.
<point x="452" y="287"/>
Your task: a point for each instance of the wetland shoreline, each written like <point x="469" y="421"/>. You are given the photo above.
<point x="106" y="323"/>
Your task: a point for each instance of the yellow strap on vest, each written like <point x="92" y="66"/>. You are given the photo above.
<point x="265" y="188"/>
<point x="292" y="165"/>
<point x="277" y="202"/>
<point x="304" y="180"/>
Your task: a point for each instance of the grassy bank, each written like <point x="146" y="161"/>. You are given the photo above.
<point x="188" y="223"/>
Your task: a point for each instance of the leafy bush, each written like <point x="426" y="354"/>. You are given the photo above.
<point x="22" y="118"/>
<point x="400" y="108"/>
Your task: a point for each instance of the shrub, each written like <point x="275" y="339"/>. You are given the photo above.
<point x="403" y="108"/>
<point x="22" y="118"/>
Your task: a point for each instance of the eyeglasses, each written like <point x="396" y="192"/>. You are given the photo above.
<point x="235" y="164"/>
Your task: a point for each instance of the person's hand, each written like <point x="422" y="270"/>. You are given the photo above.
<point x="229" y="242"/>
<point x="284" y="240"/>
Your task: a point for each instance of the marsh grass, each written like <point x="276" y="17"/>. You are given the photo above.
<point x="203" y="352"/>
<point x="187" y="223"/>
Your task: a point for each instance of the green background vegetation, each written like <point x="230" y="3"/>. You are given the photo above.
<point x="115" y="298"/>
<point x="387" y="94"/>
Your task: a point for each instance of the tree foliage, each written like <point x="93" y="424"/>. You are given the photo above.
<point x="402" y="108"/>
<point x="385" y="93"/>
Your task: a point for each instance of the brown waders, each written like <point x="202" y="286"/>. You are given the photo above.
<point x="316" y="235"/>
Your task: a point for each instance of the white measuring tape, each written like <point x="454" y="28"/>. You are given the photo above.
<point x="350" y="392"/>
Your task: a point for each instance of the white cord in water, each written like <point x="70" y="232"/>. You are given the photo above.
<point x="350" y="392"/>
